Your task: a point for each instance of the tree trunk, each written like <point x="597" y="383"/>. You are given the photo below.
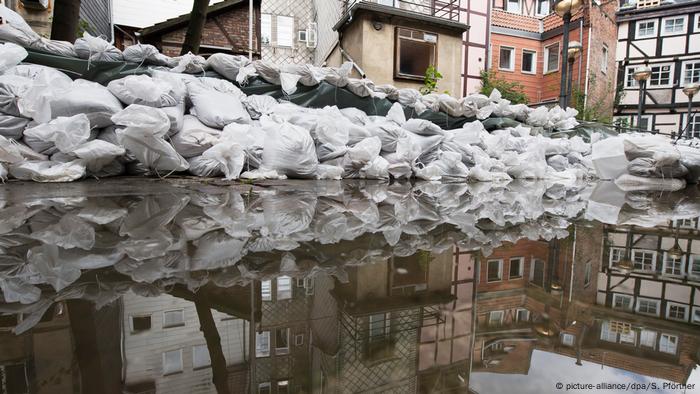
<point x="66" y="16"/>
<point x="213" y="340"/>
<point x="198" y="17"/>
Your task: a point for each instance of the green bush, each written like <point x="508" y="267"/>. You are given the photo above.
<point x="512" y="91"/>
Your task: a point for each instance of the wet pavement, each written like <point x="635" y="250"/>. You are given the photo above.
<point x="179" y="286"/>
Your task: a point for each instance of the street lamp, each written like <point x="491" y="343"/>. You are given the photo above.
<point x="575" y="48"/>
<point x="641" y="74"/>
<point x="565" y="9"/>
<point x="690" y="90"/>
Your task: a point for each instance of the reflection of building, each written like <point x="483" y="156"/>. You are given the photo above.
<point x="666" y="36"/>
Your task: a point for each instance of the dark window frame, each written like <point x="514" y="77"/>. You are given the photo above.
<point x="397" y="52"/>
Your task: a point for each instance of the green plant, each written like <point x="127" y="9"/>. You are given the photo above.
<point x="431" y="79"/>
<point x="83" y="26"/>
<point x="512" y="91"/>
<point x="599" y="111"/>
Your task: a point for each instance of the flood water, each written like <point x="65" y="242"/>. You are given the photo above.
<point x="151" y="286"/>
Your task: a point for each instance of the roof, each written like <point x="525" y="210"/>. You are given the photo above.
<point x="141" y="14"/>
<point x="183" y="19"/>
<point x="665" y="9"/>
<point x="347" y="17"/>
<point x="515" y="21"/>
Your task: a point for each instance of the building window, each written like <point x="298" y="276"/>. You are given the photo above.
<point x="694" y="265"/>
<point x="661" y="75"/>
<point x="567" y="339"/>
<point x="604" y="60"/>
<point x="415" y="52"/>
<point x="551" y="58"/>
<point x="140" y="323"/>
<point x="616" y="255"/>
<point x="673" y="266"/>
<point x="494" y="270"/>
<point x="516" y="268"/>
<point x="284" y="288"/>
<point x="694" y="124"/>
<point x="285" y="31"/>
<point x="266" y="290"/>
<point x="646" y="122"/>
<point x="529" y="65"/>
<point x="173" y="318"/>
<point x="695" y="316"/>
<point x="648" y="339"/>
<point x="506" y="59"/>
<point x="264" y="388"/>
<point x="607" y="333"/>
<point x="587" y="274"/>
<point x="282" y="341"/>
<point x="379" y="326"/>
<point x="522" y="315"/>
<point x="673" y="25"/>
<point x="646" y="29"/>
<point x="301" y="36"/>
<point x="677" y="311"/>
<point x="644" y="260"/>
<point x="495" y="318"/>
<point x="299" y="339"/>
<point x="172" y="362"/>
<point x="200" y="357"/>
<point x="265" y="29"/>
<point x="622" y="301"/>
<point x="543" y="7"/>
<point x="668" y="343"/>
<point x="283" y="387"/>
<point x="262" y="344"/>
<point x="646" y="306"/>
<point x="513" y="6"/>
<point x="685" y="223"/>
<point x="691" y="72"/>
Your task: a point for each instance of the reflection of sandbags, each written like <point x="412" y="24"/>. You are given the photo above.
<point x="12" y="126"/>
<point x="629" y="182"/>
<point x="690" y="158"/>
<point x="70" y="232"/>
<point x="216" y="109"/>
<point x="194" y="138"/>
<point x="144" y="90"/>
<point x="289" y="149"/>
<point x="96" y="49"/>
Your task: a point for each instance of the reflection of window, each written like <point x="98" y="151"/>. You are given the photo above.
<point x="551" y="58"/>
<point x="262" y="344"/>
<point x="282" y="341"/>
<point x="646" y="29"/>
<point x="173" y="318"/>
<point x="494" y="270"/>
<point x="567" y="339"/>
<point x="172" y="362"/>
<point x="646" y="306"/>
<point x="628" y="337"/>
<point x="200" y="356"/>
<point x="523" y="315"/>
<point x="14" y="379"/>
<point x="379" y="326"/>
<point x="513" y="6"/>
<point x="622" y="302"/>
<point x="284" y="288"/>
<point x="616" y="255"/>
<point x="694" y="265"/>
<point x="668" y="343"/>
<point x="299" y="339"/>
<point x="415" y="52"/>
<point x="673" y="25"/>
<point x="648" y="339"/>
<point x="507" y="59"/>
<point x="529" y="65"/>
<point x="695" y="317"/>
<point x="587" y="274"/>
<point x="283" y="387"/>
<point x="264" y="388"/>
<point x="543" y="7"/>
<point x="495" y="318"/>
<point x="677" y="311"/>
<point x="516" y="268"/>
<point x="673" y="266"/>
<point x="266" y="287"/>
<point x="644" y="260"/>
<point x="140" y="323"/>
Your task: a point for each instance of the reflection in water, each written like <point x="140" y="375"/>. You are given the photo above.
<point x="342" y="287"/>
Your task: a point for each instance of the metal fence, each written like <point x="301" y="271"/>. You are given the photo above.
<point x="445" y="9"/>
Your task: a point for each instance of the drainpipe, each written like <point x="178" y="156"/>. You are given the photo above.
<point x="588" y="69"/>
<point x="347" y="56"/>
<point x="580" y="63"/>
<point x="250" y="30"/>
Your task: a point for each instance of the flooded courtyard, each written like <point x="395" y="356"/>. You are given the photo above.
<point x="177" y="286"/>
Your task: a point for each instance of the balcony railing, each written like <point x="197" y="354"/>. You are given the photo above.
<point x="445" y="9"/>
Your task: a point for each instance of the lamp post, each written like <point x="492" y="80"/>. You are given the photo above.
<point x="690" y="90"/>
<point x="641" y="74"/>
<point x="575" y="48"/>
<point x="565" y="9"/>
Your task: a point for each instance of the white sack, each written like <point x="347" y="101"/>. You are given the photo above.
<point x="82" y="97"/>
<point x="67" y="133"/>
<point x="227" y="65"/>
<point x="216" y="109"/>
<point x="47" y="171"/>
<point x="96" y="49"/>
<point x="144" y="90"/>
<point x="194" y="138"/>
<point x="289" y="150"/>
<point x="11" y="55"/>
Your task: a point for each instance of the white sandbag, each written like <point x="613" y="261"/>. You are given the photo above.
<point x="176" y="114"/>
<point x="422" y="127"/>
<point x="96" y="49"/>
<point x="44" y="79"/>
<point x="216" y="109"/>
<point x="690" y="158"/>
<point x="409" y="97"/>
<point x="288" y="82"/>
<point x="12" y="126"/>
<point x="390" y="92"/>
<point x="360" y="87"/>
<point x="229" y="156"/>
<point x="356" y="116"/>
<point x="628" y="183"/>
<point x="194" y="138"/>
<point x="227" y="65"/>
<point x="190" y="64"/>
<point x="330" y="127"/>
<point x="558" y="162"/>
<point x="307" y="74"/>
<point x="650" y="168"/>
<point x="259" y="105"/>
<point x="539" y="117"/>
<point x="431" y="101"/>
<point x="177" y="81"/>
<point x="396" y="114"/>
<point x="337" y="76"/>
<point x="143" y="138"/>
<point x="268" y="71"/>
<point x="144" y="90"/>
<point x="388" y="132"/>
<point x="655" y="147"/>
<point x="251" y="138"/>
<point x="245" y="73"/>
<point x="147" y="54"/>
<point x="204" y="167"/>
<point x="450" y="105"/>
<point x="97" y="154"/>
<point x="223" y="86"/>
<point x="262" y="174"/>
<point x="289" y="150"/>
<point x="11" y="55"/>
<point x="12" y="89"/>
<point x="531" y="164"/>
<point x="359" y="156"/>
<point x="448" y="167"/>
<point x="67" y="133"/>
<point x="12" y="151"/>
<point x="47" y="171"/>
<point x="324" y="171"/>
<point x="82" y="97"/>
